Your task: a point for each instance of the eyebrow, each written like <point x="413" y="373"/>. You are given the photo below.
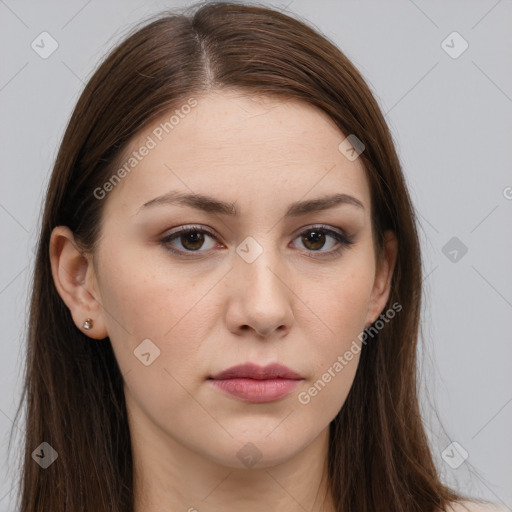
<point x="213" y="205"/>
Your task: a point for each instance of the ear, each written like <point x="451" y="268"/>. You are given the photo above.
<point x="75" y="280"/>
<point x="383" y="275"/>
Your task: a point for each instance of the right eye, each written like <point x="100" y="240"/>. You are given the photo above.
<point x="191" y="239"/>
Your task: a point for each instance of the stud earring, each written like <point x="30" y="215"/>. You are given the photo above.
<point x="88" y="323"/>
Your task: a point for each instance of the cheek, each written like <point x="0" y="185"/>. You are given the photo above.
<point x="343" y="303"/>
<point x="141" y="292"/>
<point x="342" y="307"/>
<point x="334" y="359"/>
<point x="155" y="333"/>
<point x="142" y="302"/>
<point x="325" y="394"/>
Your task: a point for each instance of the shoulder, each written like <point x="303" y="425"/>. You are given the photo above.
<point x="473" y="506"/>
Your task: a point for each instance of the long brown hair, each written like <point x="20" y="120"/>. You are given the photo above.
<point x="379" y="456"/>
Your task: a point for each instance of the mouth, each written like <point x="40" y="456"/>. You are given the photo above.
<point x="256" y="384"/>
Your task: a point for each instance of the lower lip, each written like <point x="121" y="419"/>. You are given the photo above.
<point x="257" y="391"/>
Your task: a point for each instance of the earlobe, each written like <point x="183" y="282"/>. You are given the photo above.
<point x="75" y="281"/>
<point x="383" y="278"/>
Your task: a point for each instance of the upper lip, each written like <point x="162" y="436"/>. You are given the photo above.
<point x="254" y="371"/>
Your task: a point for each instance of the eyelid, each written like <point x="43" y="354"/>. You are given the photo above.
<point x="191" y="227"/>
<point x="324" y="227"/>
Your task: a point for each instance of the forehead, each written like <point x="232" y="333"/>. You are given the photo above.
<point x="240" y="147"/>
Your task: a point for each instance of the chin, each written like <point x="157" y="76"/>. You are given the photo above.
<point x="258" y="451"/>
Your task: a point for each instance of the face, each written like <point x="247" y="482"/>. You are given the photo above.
<point x="257" y="278"/>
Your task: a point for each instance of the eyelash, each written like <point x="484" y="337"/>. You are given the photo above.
<point x="344" y="241"/>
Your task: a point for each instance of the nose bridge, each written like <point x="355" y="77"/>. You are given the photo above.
<point x="258" y="263"/>
<point x="262" y="292"/>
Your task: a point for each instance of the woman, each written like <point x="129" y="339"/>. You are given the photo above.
<point x="228" y="285"/>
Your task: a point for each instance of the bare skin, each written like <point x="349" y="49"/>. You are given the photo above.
<point x="298" y="302"/>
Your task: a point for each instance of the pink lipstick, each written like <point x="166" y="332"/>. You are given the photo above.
<point x="257" y="384"/>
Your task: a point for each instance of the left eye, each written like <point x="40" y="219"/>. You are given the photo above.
<point x="192" y="240"/>
<point x="315" y="238"/>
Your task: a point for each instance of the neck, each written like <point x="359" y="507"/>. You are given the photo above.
<point x="171" y="476"/>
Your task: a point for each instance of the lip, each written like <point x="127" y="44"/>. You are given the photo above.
<point x="254" y="371"/>
<point x="257" y="384"/>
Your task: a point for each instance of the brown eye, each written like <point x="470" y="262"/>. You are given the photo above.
<point x="191" y="239"/>
<point x="314" y="240"/>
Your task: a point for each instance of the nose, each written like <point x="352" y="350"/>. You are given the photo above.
<point x="260" y="297"/>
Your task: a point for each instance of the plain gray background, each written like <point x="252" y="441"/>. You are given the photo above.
<point x="451" y="117"/>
